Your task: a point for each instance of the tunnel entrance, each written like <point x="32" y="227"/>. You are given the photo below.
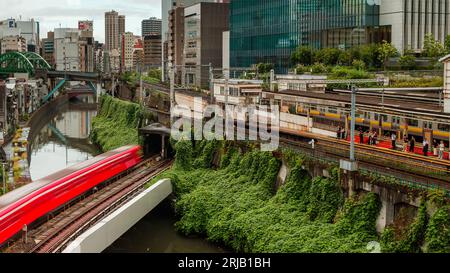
<point x="156" y="140"/>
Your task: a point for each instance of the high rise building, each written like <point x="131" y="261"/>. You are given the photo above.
<point x="114" y="28"/>
<point x="269" y="30"/>
<point x="111" y="30"/>
<point x="27" y="29"/>
<point x="48" y="48"/>
<point x="151" y="26"/>
<point x="411" y="21"/>
<point x="138" y="54"/>
<point x="87" y="46"/>
<point x="152" y="51"/>
<point x="204" y="24"/>
<point x="98" y="57"/>
<point x="121" y="25"/>
<point x="128" y="43"/>
<point x="167" y="6"/>
<point x="13" y="43"/>
<point x="67" y="49"/>
<point x="176" y="41"/>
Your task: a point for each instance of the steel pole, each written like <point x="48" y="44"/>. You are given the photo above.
<point x="352" y="126"/>
<point x="172" y="89"/>
<point x="4" y="178"/>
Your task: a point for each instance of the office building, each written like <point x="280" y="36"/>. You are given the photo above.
<point x="67" y="49"/>
<point x="270" y="30"/>
<point x="121" y="19"/>
<point x="152" y="51"/>
<point x="29" y="30"/>
<point x="411" y="20"/>
<point x="48" y="48"/>
<point x="87" y="46"/>
<point x="13" y="44"/>
<point x="204" y="24"/>
<point x="151" y="26"/>
<point x="167" y="6"/>
<point x="114" y="28"/>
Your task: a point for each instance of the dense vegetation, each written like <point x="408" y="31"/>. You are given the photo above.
<point x="234" y="202"/>
<point x="238" y="206"/>
<point x="116" y="123"/>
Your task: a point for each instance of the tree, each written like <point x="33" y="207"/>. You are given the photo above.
<point x="386" y="51"/>
<point x="370" y="55"/>
<point x="345" y="58"/>
<point x="264" y="67"/>
<point x="407" y="60"/>
<point x="432" y="48"/>
<point x="447" y="44"/>
<point x="318" y="68"/>
<point x="359" y="65"/>
<point x="302" y="55"/>
<point x="331" y="56"/>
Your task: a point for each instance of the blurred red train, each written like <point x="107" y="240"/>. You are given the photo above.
<point x="29" y="203"/>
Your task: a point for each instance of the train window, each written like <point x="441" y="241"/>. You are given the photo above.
<point x="427" y="125"/>
<point x="332" y="110"/>
<point x="413" y="122"/>
<point x="385" y="118"/>
<point x="396" y="120"/>
<point x="444" y="127"/>
<point x="367" y="115"/>
<point x="377" y="117"/>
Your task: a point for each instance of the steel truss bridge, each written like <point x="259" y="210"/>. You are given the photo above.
<point x="22" y="62"/>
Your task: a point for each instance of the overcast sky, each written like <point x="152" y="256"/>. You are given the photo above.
<point x="52" y="13"/>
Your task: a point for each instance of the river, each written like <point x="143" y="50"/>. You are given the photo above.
<point x="64" y="142"/>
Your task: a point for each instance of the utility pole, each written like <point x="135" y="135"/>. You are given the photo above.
<point x="352" y="126"/>
<point x="211" y="78"/>
<point x="172" y="89"/>
<point x="4" y="177"/>
<point x="227" y="78"/>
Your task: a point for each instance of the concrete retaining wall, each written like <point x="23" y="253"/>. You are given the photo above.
<point x="106" y="232"/>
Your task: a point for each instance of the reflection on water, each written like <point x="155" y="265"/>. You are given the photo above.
<point x="63" y="142"/>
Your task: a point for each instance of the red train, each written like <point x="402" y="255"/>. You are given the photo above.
<point x="29" y="203"/>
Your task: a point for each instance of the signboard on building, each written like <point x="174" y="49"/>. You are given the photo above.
<point x="86" y="25"/>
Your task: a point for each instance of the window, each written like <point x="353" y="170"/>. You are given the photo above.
<point x="444" y="127"/>
<point x="396" y="120"/>
<point x="427" y="125"/>
<point x="413" y="122"/>
<point x="192" y="34"/>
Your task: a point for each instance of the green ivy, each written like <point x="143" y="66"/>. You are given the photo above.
<point x="437" y="236"/>
<point x="236" y="204"/>
<point x="116" y="123"/>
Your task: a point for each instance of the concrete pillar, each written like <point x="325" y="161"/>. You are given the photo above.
<point x="163" y="147"/>
<point x="351" y="182"/>
<point x="386" y="216"/>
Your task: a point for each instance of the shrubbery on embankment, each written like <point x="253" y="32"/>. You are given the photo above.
<point x="234" y="201"/>
<point x="236" y="204"/>
<point x="116" y="123"/>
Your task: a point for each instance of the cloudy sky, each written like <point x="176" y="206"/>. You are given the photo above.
<point x="53" y="13"/>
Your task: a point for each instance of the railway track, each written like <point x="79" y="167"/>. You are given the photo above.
<point x="429" y="172"/>
<point x="405" y="178"/>
<point x="54" y="235"/>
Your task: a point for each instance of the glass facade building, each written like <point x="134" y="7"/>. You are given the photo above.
<point x="270" y="30"/>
